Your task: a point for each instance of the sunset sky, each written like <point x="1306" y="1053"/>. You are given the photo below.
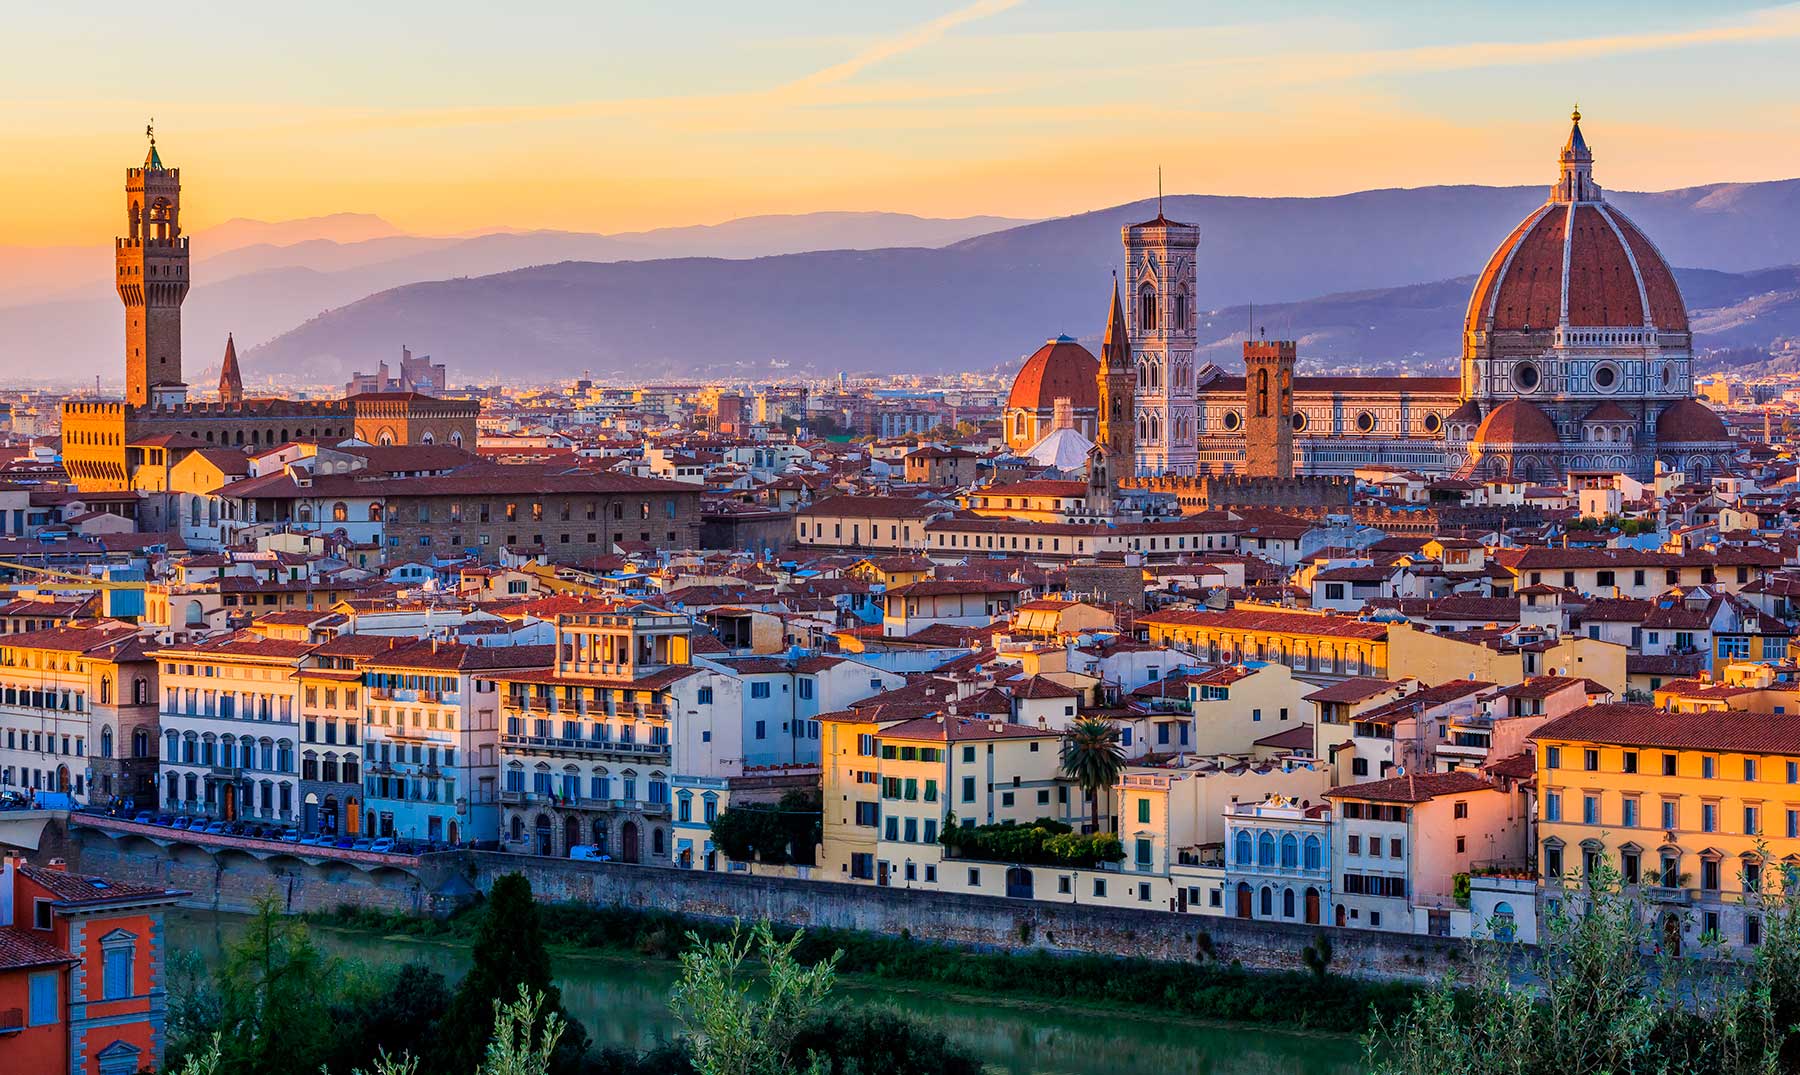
<point x="457" y="116"/>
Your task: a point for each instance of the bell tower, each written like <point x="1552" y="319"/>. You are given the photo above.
<point x="150" y="264"/>
<point x="1269" y="408"/>
<point x="1114" y="451"/>
<point x="1160" y="290"/>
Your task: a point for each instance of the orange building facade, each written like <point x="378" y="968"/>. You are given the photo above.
<point x="82" y="987"/>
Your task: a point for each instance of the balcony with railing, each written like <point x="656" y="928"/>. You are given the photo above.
<point x="413" y="694"/>
<point x="511" y="797"/>
<point x="647" y="752"/>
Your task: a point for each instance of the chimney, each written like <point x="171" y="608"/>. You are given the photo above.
<point x="59" y="864"/>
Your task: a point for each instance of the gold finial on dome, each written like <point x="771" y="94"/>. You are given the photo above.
<point x="1575" y="113"/>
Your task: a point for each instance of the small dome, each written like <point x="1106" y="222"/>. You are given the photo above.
<point x="1690" y="421"/>
<point x="1516" y="422"/>
<point x="1470" y="411"/>
<point x="1060" y="369"/>
<point x="1608" y="412"/>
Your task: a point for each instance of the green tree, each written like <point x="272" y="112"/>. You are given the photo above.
<point x="509" y="956"/>
<point x="399" y="1016"/>
<point x="877" y="1042"/>
<point x="732" y="1032"/>
<point x="1589" y="1000"/>
<point x="777" y="833"/>
<point x="273" y="1015"/>
<point x="1093" y="758"/>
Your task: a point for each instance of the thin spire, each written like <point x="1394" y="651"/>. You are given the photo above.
<point x="231" y="379"/>
<point x="1115" y="349"/>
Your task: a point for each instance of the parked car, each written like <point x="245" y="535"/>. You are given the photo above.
<point x="589" y="853"/>
<point x="382" y="846"/>
<point x="344" y="842"/>
<point x="361" y="845"/>
<point x="164" y="819"/>
<point x="291" y="836"/>
<point x="181" y="823"/>
<point x="143" y="817"/>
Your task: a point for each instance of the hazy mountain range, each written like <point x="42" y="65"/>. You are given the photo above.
<point x="1370" y="279"/>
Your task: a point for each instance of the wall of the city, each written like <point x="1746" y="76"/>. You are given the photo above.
<point x="233" y="880"/>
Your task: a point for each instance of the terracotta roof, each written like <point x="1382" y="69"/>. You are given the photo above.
<point x="1298" y="738"/>
<point x="876" y="507"/>
<point x="1516" y="422"/>
<point x="1298" y="623"/>
<point x="1352" y="690"/>
<point x="1728" y="730"/>
<point x="1422" y="699"/>
<point x="84" y="888"/>
<point x="959" y="729"/>
<point x="454" y="656"/>
<point x="22" y="948"/>
<point x="1613" y="275"/>
<point x="1061" y="369"/>
<point x="936" y="587"/>
<point x="1688" y="421"/>
<point x="1413" y="787"/>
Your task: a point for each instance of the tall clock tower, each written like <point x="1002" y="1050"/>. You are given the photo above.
<point x="151" y="272"/>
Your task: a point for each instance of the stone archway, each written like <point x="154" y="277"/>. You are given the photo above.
<point x="628" y="842"/>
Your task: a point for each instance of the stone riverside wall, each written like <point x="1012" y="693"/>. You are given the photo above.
<point x="984" y="922"/>
<point x="231" y="880"/>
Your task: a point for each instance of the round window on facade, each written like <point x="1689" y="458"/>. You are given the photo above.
<point x="1668" y="376"/>
<point x="1525" y="376"/>
<point x="1233" y="420"/>
<point x="1605" y="377"/>
<point x="1365" y="422"/>
<point x="1433" y="423"/>
<point x="1299" y="421"/>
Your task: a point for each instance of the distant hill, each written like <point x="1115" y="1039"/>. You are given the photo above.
<point x="1342" y="274"/>
<point x="1348" y="275"/>
<point x="58" y="311"/>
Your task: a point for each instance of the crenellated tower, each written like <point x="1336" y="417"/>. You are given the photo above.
<point x="1160" y="281"/>
<point x="1114" y="440"/>
<point x="151" y="272"/>
<point x="1269" y="408"/>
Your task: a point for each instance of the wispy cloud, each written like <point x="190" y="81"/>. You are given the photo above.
<point x="910" y="40"/>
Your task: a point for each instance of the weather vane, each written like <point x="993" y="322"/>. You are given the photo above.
<point x="150" y="130"/>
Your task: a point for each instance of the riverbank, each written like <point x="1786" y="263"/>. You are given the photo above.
<point x="622" y="998"/>
<point x="1204" y="989"/>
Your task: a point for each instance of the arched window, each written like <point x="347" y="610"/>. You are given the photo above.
<point x="456" y="439"/>
<point x="427" y="438"/>
<point x="1267" y="901"/>
<point x="194" y="511"/>
<point x="374" y="513"/>
<point x="1290" y="851"/>
<point x="1181" y="311"/>
<point x="1311" y="856"/>
<point x="1242" y="849"/>
<point x="1147" y="309"/>
<point x="1262" y="393"/>
<point x="1287" y="903"/>
<point x="140" y="744"/>
<point x="106" y="741"/>
<point x="340" y="512"/>
<point x="1265" y="850"/>
<point x="105" y="690"/>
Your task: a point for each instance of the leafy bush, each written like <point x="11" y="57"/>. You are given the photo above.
<point x="1042" y="843"/>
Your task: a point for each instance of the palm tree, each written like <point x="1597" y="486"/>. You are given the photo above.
<point x="1093" y="758"/>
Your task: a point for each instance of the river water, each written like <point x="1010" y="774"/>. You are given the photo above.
<point x="623" y="1000"/>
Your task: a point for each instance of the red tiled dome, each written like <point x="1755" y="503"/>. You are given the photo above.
<point x="1061" y="368"/>
<point x="1523" y="286"/>
<point x="1516" y="422"/>
<point x="1689" y="421"/>
<point x="1614" y="278"/>
<point x="1470" y="411"/>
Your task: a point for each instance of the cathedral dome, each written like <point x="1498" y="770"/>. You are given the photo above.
<point x="1516" y="422"/>
<point x="1061" y="369"/>
<point x="1576" y="258"/>
<point x="1689" y="421"/>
